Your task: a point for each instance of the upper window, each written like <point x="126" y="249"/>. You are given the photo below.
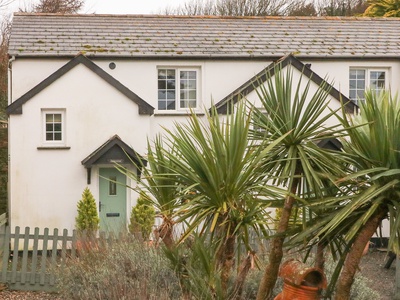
<point x="54" y="126"/>
<point x="361" y="79"/>
<point x="177" y="88"/>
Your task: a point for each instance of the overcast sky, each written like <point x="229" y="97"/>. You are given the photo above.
<point x="113" y="6"/>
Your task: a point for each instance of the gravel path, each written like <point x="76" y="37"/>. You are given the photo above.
<point x="382" y="280"/>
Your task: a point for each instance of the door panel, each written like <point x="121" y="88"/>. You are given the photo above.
<point x="112" y="200"/>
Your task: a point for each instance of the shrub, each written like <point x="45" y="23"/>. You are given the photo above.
<point x="87" y="218"/>
<point x="142" y="217"/>
<point x="121" y="269"/>
<point x="359" y="289"/>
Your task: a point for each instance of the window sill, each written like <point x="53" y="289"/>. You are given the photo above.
<point x="53" y="148"/>
<point x="177" y="113"/>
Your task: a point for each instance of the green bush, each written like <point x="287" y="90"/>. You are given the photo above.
<point x="142" y="217"/>
<point x="88" y="217"/>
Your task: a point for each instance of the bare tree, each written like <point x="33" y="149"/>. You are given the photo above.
<point x="341" y="7"/>
<point x="5" y="27"/>
<point x="302" y="8"/>
<point x="55" y="6"/>
<point x="270" y="8"/>
<point x="231" y="8"/>
<point x="5" y="3"/>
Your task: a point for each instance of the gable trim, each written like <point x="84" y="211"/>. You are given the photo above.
<point x="92" y="158"/>
<point x="16" y="106"/>
<point x="254" y="82"/>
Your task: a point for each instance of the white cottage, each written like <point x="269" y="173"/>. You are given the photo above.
<point x="87" y="91"/>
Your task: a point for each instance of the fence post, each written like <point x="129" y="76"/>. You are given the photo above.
<point x="34" y="255"/>
<point x="25" y="255"/>
<point x="3" y="241"/>
<point x="6" y="255"/>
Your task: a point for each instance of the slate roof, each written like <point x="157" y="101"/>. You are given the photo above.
<point x="43" y="35"/>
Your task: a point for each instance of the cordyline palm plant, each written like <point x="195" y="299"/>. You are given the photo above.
<point x="158" y="186"/>
<point x="226" y="195"/>
<point x="296" y="160"/>
<point x="374" y="146"/>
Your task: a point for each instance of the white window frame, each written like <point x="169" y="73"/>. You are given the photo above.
<point x="367" y="80"/>
<point x="53" y="143"/>
<point x="177" y="70"/>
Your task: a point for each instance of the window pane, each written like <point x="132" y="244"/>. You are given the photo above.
<point x="170" y="105"/>
<point x="377" y="80"/>
<point x="170" y="83"/>
<point x="171" y="95"/>
<point x="171" y="73"/>
<point x="192" y="84"/>
<point x="166" y="88"/>
<point x="49" y="127"/>
<point x="356" y="84"/>
<point x="162" y="105"/>
<point x="162" y="74"/>
<point x="184" y="75"/>
<point x="361" y="94"/>
<point x="192" y="75"/>
<point x="162" y="94"/>
<point x="57" y="117"/>
<point x="188" y="104"/>
<point x="53" y="127"/>
<point x="192" y="95"/>
<point x="184" y="95"/>
<point x="112" y="188"/>
<point x="188" y="89"/>
<point x="162" y="84"/>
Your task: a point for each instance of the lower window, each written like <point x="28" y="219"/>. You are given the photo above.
<point x="53" y="127"/>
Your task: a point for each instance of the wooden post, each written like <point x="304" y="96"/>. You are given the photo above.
<point x="3" y="242"/>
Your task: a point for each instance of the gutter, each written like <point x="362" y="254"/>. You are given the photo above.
<point x="10" y="61"/>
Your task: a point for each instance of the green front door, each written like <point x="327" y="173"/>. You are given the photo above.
<point x="112" y="200"/>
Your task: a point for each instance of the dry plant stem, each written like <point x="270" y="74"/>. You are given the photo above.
<point x="244" y="269"/>
<point x="353" y="258"/>
<point x="270" y="276"/>
<point x="320" y="256"/>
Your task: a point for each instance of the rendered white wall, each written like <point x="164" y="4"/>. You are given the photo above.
<point x="47" y="184"/>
